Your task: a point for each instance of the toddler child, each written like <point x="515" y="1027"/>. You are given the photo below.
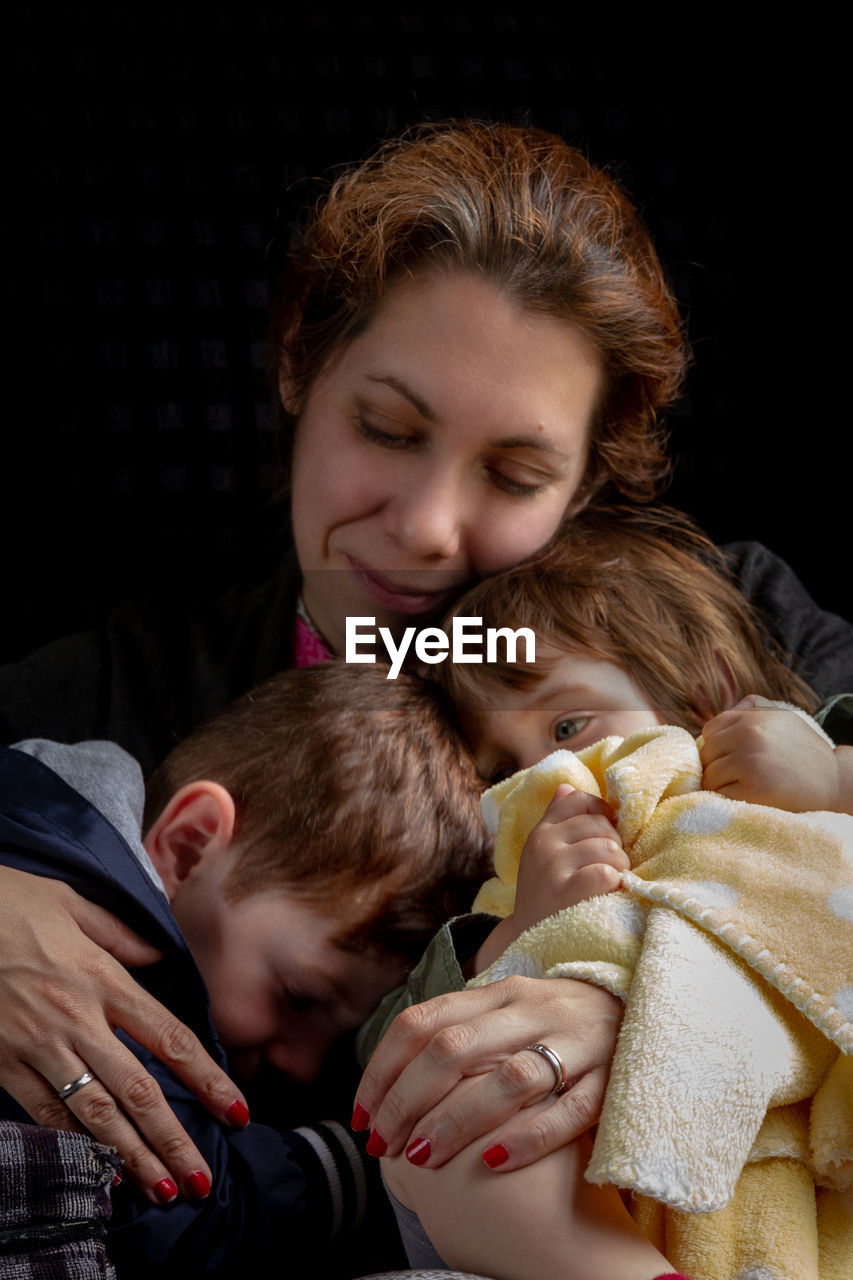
<point x="714" y="951"/>
<point x="293" y="856"/>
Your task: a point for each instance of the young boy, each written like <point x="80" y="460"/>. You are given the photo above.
<point x="294" y="855"/>
<point x="637" y="629"/>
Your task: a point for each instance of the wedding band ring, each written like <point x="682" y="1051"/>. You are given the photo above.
<point x="66" y="1091"/>
<point x="555" y="1062"/>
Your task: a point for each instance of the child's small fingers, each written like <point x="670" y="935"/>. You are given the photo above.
<point x="572" y="803"/>
<point x="595" y="850"/>
<point x="594" y="881"/>
<point x="718" y="774"/>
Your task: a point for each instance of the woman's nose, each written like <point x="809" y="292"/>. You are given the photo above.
<point x="428" y="521"/>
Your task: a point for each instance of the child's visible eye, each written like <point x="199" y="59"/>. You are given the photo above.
<point x="569" y="728"/>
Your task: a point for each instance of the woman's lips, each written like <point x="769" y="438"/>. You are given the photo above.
<point x="391" y="595"/>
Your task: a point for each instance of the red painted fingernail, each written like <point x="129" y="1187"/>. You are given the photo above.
<point x="419" y="1151"/>
<point x="376" y="1145"/>
<point x="197" y="1185"/>
<point x="117" y="1180"/>
<point x="238" y="1114"/>
<point x="165" y="1190"/>
<point x="360" y="1119"/>
<point x="495" y="1155"/>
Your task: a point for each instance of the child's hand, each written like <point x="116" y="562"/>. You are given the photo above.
<point x="770" y="755"/>
<point x="573" y="852"/>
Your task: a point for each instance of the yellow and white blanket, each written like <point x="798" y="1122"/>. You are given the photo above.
<point x="729" y="1112"/>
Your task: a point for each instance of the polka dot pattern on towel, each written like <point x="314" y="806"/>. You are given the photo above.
<point x="713" y="893"/>
<point x="841" y="902"/>
<point x="843" y="1002"/>
<point x="706" y="819"/>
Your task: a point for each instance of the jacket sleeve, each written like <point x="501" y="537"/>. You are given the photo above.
<point x="307" y="1187"/>
<point x="438" y="972"/>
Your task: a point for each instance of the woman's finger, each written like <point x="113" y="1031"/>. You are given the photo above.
<point x="151" y="1024"/>
<point x="431" y="1047"/>
<point x="477" y="1104"/>
<point x="62" y="998"/>
<point x="111" y="934"/>
<point x="539" y="1130"/>
<point x="94" y="1108"/>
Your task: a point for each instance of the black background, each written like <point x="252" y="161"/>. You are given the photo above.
<point x="150" y="151"/>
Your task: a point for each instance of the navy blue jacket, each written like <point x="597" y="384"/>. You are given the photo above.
<point x="268" y="1187"/>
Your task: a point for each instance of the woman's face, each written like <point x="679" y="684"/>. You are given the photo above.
<point x="443" y="443"/>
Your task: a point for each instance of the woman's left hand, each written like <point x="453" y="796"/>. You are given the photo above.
<point x="455" y="1068"/>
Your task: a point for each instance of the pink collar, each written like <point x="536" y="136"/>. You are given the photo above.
<point x="309" y="648"/>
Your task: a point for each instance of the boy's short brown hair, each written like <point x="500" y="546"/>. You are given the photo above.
<point x="642" y="588"/>
<point x="353" y="791"/>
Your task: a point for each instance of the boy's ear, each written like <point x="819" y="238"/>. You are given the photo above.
<point x="196" y="825"/>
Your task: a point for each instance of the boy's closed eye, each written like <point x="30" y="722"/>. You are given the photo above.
<point x="300" y="1002"/>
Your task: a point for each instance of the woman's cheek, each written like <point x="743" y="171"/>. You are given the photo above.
<point x="513" y="535"/>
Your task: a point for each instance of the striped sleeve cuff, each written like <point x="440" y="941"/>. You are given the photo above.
<point x="344" y="1166"/>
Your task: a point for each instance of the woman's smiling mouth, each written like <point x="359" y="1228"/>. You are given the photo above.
<point x="400" y="597"/>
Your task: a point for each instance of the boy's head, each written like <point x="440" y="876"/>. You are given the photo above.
<point x="636" y="622"/>
<point x="312" y="837"/>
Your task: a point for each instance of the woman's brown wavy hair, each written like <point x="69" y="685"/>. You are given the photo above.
<point x="520" y="206"/>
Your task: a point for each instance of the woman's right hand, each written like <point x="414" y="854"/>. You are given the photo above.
<point x="455" y="1069"/>
<point x="63" y="990"/>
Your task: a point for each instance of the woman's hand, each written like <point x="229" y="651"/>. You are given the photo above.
<point x="63" y="990"/>
<point x="453" y="1069"/>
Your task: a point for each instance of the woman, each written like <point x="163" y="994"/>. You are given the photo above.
<point x="475" y="339"/>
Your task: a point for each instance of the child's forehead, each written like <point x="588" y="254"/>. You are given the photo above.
<point x="558" y="675"/>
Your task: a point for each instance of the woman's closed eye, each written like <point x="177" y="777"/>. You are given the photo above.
<point x="569" y="727"/>
<point x="517" y="487"/>
<point x="385" y="439"/>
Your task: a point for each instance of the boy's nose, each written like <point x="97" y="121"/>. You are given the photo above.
<point x="300" y="1059"/>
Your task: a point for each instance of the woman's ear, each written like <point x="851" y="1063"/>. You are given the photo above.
<point x="196" y="825"/>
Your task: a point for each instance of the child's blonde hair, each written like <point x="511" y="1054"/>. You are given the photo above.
<point x="642" y="588"/>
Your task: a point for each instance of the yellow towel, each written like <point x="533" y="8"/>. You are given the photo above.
<point x="729" y="1113"/>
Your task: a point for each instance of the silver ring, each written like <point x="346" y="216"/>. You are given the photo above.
<point x="556" y="1063"/>
<point x="66" y="1091"/>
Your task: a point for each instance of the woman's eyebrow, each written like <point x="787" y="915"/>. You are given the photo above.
<point x="417" y="402"/>
<point x="429" y="415"/>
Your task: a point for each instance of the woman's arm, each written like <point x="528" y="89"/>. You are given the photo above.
<point x="418" y="1088"/>
<point x="63" y="992"/>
